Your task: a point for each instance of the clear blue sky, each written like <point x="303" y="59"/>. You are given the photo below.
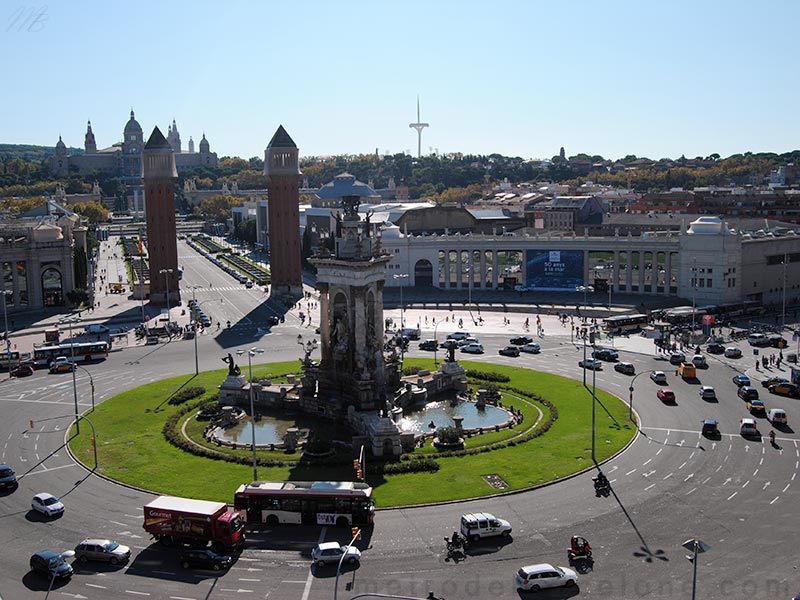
<point x="655" y="79"/>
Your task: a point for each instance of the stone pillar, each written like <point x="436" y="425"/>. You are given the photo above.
<point x="459" y="269"/>
<point x="494" y="269"/>
<point x="447" y="268"/>
<point x="483" y="269"/>
<point x="585" y="267"/>
<point x="615" y="273"/>
<point x="325" y="319"/>
<point x="641" y="272"/>
<point x="667" y="272"/>
<point x="628" y="271"/>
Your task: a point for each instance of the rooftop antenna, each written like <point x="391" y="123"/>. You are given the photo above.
<point x="419" y="127"/>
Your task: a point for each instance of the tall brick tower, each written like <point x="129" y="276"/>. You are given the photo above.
<point x="282" y="168"/>
<point x="159" y="174"/>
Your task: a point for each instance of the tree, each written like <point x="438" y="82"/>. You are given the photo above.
<point x="79" y="265"/>
<point x="218" y="207"/>
<point x="246" y="231"/>
<point x="96" y="213"/>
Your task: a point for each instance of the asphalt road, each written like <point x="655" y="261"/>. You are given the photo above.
<point x="736" y="495"/>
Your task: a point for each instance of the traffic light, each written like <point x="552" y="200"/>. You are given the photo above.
<point x="356" y="533"/>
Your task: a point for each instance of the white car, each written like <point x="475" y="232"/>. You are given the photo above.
<point x="332" y="552"/>
<point x="707" y="392"/>
<point x="475" y="526"/>
<point x="532" y="348"/>
<point x="458" y="335"/>
<point x="658" y="377"/>
<point x="538" y="577"/>
<point x="469" y="340"/>
<point x="733" y="352"/>
<point x="591" y="363"/>
<point x="472" y="348"/>
<point x="47" y="504"/>
<point x="699" y="361"/>
<point x="748" y="427"/>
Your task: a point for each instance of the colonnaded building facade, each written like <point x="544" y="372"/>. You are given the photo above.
<point x="707" y="261"/>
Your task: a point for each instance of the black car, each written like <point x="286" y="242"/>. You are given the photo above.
<point x="203" y="558"/>
<point x="50" y="564"/>
<point x="22" y="371"/>
<point x="428" y="345"/>
<point x="747" y="392"/>
<point x="521" y="340"/>
<point x="606" y="354"/>
<point x="272" y="320"/>
<point x="509" y="351"/>
<point x="715" y="348"/>
<point x="710" y="428"/>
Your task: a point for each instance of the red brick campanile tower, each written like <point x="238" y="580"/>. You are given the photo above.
<point x="159" y="174"/>
<point x="282" y="168"/>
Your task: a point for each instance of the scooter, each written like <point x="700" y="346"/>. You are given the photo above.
<point x="579" y="549"/>
<point x="601" y="486"/>
<point x="456" y="543"/>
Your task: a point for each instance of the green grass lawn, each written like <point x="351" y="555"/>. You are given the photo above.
<point x="132" y="449"/>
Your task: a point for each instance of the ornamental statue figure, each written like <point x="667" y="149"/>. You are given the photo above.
<point x="233" y="368"/>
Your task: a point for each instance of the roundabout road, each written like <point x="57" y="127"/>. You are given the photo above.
<point x="737" y="495"/>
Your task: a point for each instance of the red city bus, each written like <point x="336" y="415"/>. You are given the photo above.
<point x="342" y="503"/>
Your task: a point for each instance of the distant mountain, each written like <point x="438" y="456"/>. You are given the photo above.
<point x="30" y="152"/>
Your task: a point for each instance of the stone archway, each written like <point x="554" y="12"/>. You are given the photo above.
<point x="52" y="288"/>
<point x="423" y="273"/>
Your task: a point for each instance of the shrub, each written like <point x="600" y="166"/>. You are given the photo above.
<point x="412" y="466"/>
<point x="448" y="435"/>
<point x="488" y="376"/>
<point x="186" y="394"/>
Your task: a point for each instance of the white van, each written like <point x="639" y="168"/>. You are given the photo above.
<point x="777" y="416"/>
<point x="758" y="339"/>
<point x="475" y="526"/>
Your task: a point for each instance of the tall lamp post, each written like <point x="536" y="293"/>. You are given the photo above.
<point x="695" y="547"/>
<point x="69" y="321"/>
<point x="6" y="294"/>
<point x="250" y="354"/>
<point x="193" y="318"/>
<point x="585" y="289"/>
<point x="91" y="380"/>
<point x="436" y="343"/>
<point x="401" y="277"/>
<point x="166" y="273"/>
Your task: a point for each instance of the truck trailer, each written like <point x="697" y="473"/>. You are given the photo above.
<point x="172" y="520"/>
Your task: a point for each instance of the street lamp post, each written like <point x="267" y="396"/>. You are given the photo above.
<point x="401" y="277"/>
<point x="91" y="380"/>
<point x="193" y="319"/>
<point x="356" y="535"/>
<point x="70" y="321"/>
<point x="695" y="547"/>
<point x="166" y="273"/>
<point x="436" y="343"/>
<point x="585" y="289"/>
<point x="250" y="354"/>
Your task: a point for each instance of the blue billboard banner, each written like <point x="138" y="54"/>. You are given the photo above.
<point x="554" y="269"/>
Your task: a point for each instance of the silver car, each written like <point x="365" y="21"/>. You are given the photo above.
<point x="103" y="550"/>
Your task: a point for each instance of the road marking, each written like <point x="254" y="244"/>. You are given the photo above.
<point x="647" y="461"/>
<point x="137" y="593"/>
<point x="667" y="476"/>
<point x="164" y="572"/>
<point x="628" y="473"/>
<point x="683" y="465"/>
<point x="94" y="585"/>
<point x="659" y="451"/>
<point x="766" y="485"/>
<point x="690" y="491"/>
<point x="705" y="480"/>
<point x="180" y="598"/>
<point x="745" y="484"/>
<point x="774" y="499"/>
<point x="786" y="488"/>
<point x="247" y="578"/>
<point x="732" y="495"/>
<point x="120" y="524"/>
<point x="688" y="477"/>
<point x="727" y="481"/>
<point x="755" y="472"/>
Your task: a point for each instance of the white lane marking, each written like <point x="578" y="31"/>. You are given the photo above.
<point x="705" y="480"/>
<point x="766" y="485"/>
<point x="690" y="491"/>
<point x="732" y="495"/>
<point x="755" y="472"/>
<point x="647" y="461"/>
<point x="180" y="598"/>
<point x="667" y="476"/>
<point x="248" y="579"/>
<point x="94" y="585"/>
<point x="774" y="499"/>
<point x="745" y="484"/>
<point x="683" y="465"/>
<point x="310" y="577"/>
<point x="786" y="488"/>
<point x="688" y="477"/>
<point x="137" y="593"/>
<point x="718" y="469"/>
<point x="649" y="486"/>
<point x="164" y="572"/>
<point x="659" y="451"/>
<point x="120" y="524"/>
<point x="633" y="471"/>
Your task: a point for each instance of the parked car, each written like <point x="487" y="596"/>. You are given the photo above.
<point x="458" y="335"/>
<point x="472" y="348"/>
<point x="758" y="340"/>
<point x="102" y="550"/>
<point x="413" y="333"/>
<point x="475" y="526"/>
<point x="699" y="361"/>
<point x="710" y="428"/>
<point x="429" y="345"/>
<point x="249" y="283"/>
<point x="741" y="380"/>
<point x="677" y="358"/>
<point x="748" y="427"/>
<point x="51" y="565"/>
<point x="509" y="351"/>
<point x="61" y="364"/>
<point x="521" y="288"/>
<point x="532" y="348"/>
<point x="777" y="341"/>
<point x="47" y="504"/>
<point x="777" y="416"/>
<point x="666" y="395"/>
<point x="204" y="558"/>
<point x="273" y="320"/>
<point x="8" y="479"/>
<point x="785" y="389"/>
<point x="733" y="352"/>
<point x="747" y="392"/>
<point x="521" y="340"/>
<point x="625" y="368"/>
<point x="22" y="371"/>
<point x="770" y="381"/>
<point x="591" y="363"/>
<point x="658" y="376"/>
<point x="469" y="340"/>
<point x="707" y="392"/>
<point x="715" y="348"/>
<point x="332" y="552"/>
<point x="606" y="354"/>
<point x="538" y="577"/>
<point x="756" y="407"/>
<point x="97" y="328"/>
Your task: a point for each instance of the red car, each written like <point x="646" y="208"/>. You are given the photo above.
<point x="666" y="395"/>
<point x="22" y="371"/>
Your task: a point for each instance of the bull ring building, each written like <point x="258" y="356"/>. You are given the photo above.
<point x="707" y="261"/>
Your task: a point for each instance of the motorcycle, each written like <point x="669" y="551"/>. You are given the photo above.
<point x="601" y="486"/>
<point x="579" y="549"/>
<point x="456" y="543"/>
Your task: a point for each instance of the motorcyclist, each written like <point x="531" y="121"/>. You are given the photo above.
<point x="455" y="539"/>
<point x="601" y="481"/>
<point x="772" y="436"/>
